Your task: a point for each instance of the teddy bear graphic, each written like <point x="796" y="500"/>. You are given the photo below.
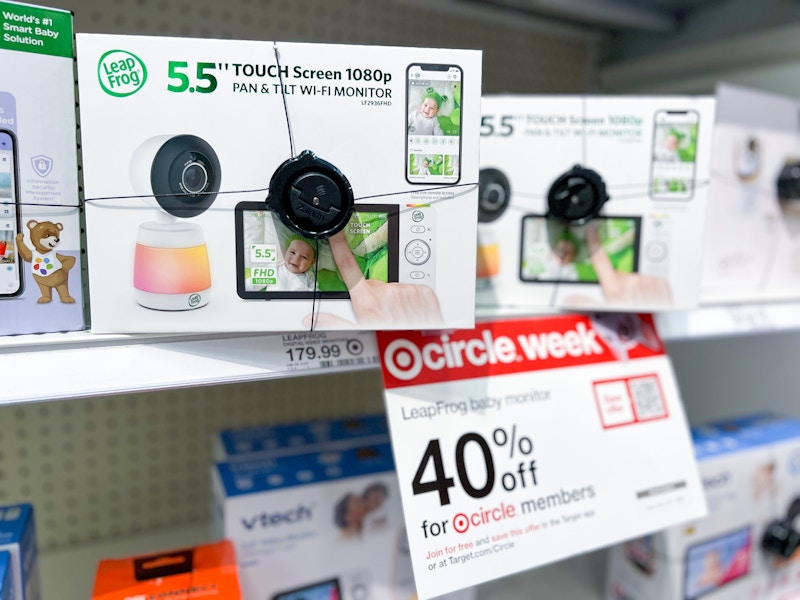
<point x="50" y="270"/>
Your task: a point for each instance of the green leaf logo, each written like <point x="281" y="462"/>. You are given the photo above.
<point x="121" y="73"/>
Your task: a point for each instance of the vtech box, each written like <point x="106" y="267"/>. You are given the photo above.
<point x="320" y="525"/>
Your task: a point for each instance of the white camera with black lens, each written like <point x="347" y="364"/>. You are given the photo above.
<point x="181" y="176"/>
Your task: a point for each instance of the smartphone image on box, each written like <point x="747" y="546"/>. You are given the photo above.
<point x="553" y="251"/>
<point x="433" y="123"/>
<point x="273" y="263"/>
<point x="674" y="154"/>
<point x="11" y="282"/>
<point x="324" y="590"/>
<point x="716" y="562"/>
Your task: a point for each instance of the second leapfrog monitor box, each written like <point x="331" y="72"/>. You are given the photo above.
<point x="592" y="202"/>
<point x="257" y="186"/>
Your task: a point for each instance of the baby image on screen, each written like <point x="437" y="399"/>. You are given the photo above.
<point x="294" y="273"/>
<point x="275" y="260"/>
<point x="423" y="121"/>
<point x="554" y="251"/>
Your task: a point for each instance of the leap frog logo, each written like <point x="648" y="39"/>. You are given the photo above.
<point x="121" y="73"/>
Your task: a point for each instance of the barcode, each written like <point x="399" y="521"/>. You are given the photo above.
<point x="348" y="362"/>
<point x="647" y="400"/>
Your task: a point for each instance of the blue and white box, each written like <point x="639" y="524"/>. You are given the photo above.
<point x="325" y="524"/>
<point x="18" y="539"/>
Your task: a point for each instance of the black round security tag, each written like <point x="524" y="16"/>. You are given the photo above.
<point x="311" y="196"/>
<point x="577" y="196"/>
<point x="494" y="195"/>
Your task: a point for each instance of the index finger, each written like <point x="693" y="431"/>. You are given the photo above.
<point x="606" y="275"/>
<point x="345" y="261"/>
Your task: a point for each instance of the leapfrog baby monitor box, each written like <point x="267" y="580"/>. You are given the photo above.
<point x="320" y="525"/>
<point x="749" y="544"/>
<point x="40" y="270"/>
<point x="18" y="539"/>
<point x="592" y="202"/>
<point x="257" y="186"/>
<point x="208" y="571"/>
<point x="300" y="438"/>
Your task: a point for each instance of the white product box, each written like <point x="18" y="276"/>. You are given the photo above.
<point x="40" y="262"/>
<point x="750" y="467"/>
<point x="300" y="438"/>
<point x="523" y="442"/>
<point x="322" y="525"/>
<point x="205" y="130"/>
<point x="752" y="248"/>
<point x="545" y="239"/>
<point x="18" y="539"/>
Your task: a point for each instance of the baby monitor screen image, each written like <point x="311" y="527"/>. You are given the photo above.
<point x="433" y="123"/>
<point x="10" y="282"/>
<point x="674" y="155"/>
<point x="717" y="561"/>
<point x="326" y="590"/>
<point x="553" y="251"/>
<point x="275" y="263"/>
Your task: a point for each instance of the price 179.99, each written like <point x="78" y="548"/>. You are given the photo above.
<point x="310" y="352"/>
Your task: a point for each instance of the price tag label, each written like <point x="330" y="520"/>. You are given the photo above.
<point x="328" y="350"/>
<point x="523" y="442"/>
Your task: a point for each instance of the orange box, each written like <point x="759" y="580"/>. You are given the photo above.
<point x="207" y="572"/>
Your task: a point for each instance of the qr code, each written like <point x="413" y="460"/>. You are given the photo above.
<point x="647" y="399"/>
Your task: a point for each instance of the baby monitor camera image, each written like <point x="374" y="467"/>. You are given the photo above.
<point x="180" y="176"/>
<point x="747" y="159"/>
<point x="782" y="536"/>
<point x="494" y="195"/>
<point x="494" y="198"/>
<point x="788" y="185"/>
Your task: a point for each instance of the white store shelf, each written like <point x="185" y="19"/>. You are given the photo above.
<point x="729" y="320"/>
<point x="80" y="364"/>
<point x="69" y="574"/>
<point x="60" y="366"/>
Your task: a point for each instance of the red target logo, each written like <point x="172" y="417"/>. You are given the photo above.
<point x="460" y="523"/>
